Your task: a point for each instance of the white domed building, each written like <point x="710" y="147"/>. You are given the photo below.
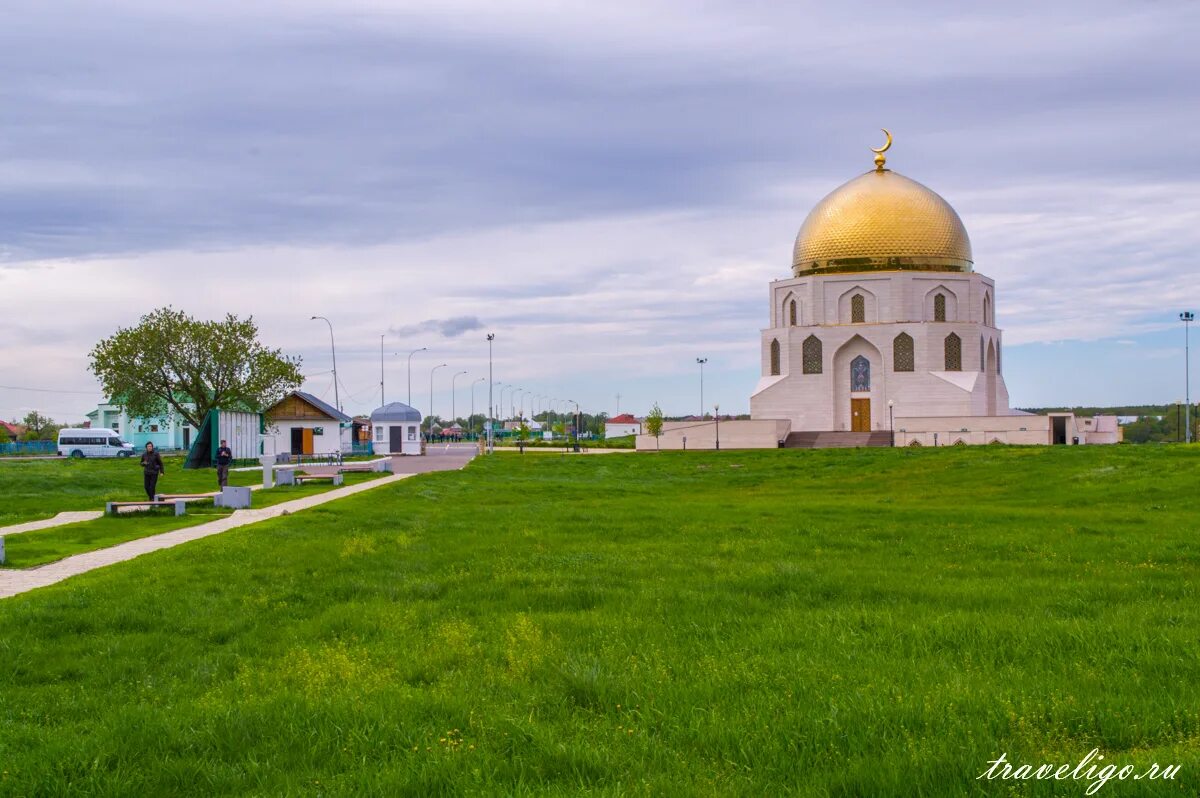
<point x="884" y="334"/>
<point x="884" y="316"/>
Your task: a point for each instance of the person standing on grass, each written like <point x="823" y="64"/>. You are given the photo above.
<point x="152" y="466"/>
<point x="224" y="460"/>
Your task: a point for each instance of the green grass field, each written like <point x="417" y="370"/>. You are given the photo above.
<point x="848" y="623"/>
<point x="34" y="489"/>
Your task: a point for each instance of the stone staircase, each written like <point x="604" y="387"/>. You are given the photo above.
<point x="836" y="440"/>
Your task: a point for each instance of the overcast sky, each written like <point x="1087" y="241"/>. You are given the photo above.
<point x="608" y="187"/>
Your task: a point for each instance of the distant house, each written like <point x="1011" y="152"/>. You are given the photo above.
<point x="300" y="423"/>
<point x="167" y="432"/>
<point x="530" y="424"/>
<point x="622" y="425"/>
<point x="11" y="431"/>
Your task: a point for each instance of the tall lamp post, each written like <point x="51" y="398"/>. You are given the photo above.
<point x="701" y="361"/>
<point x="575" y="425"/>
<point x="381" y="400"/>
<point x="717" y="420"/>
<point x="490" y="337"/>
<point x="892" y="420"/>
<point x="476" y="382"/>
<point x="410" y="354"/>
<point x="431" y="372"/>
<point x="1187" y="317"/>
<point x="453" y="398"/>
<point x="333" y="353"/>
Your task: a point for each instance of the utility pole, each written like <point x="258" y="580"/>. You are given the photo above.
<point x="382" y="401"/>
<point x="701" y="361"/>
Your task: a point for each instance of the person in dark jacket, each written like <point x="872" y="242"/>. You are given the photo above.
<point x="152" y="466"/>
<point x="224" y="460"/>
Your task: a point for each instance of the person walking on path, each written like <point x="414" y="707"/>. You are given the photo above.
<point x="152" y="466"/>
<point x="224" y="460"/>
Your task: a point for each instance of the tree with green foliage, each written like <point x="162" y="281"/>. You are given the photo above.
<point x="654" y="423"/>
<point x="173" y="363"/>
<point x="39" y="427"/>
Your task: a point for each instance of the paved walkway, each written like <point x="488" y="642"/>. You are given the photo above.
<point x="46" y="523"/>
<point x="13" y="582"/>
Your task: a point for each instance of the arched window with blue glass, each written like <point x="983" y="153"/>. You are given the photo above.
<point x="860" y="374"/>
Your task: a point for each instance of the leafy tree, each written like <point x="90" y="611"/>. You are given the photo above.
<point x="654" y="422"/>
<point x="39" y="427"/>
<point x="173" y="362"/>
<point x="523" y="431"/>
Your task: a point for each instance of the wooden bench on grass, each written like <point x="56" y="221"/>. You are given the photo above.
<point x="112" y="508"/>
<point x="335" y="479"/>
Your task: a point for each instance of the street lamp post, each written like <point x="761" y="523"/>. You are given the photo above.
<point x="473" y="384"/>
<point x="717" y="420"/>
<point x="333" y="353"/>
<point x="575" y="425"/>
<point x="490" y="337"/>
<point x="381" y="400"/>
<point x="701" y="361"/>
<point x="410" y="354"/>
<point x="892" y="421"/>
<point x="431" y="372"/>
<point x="1187" y="317"/>
<point x="454" y="397"/>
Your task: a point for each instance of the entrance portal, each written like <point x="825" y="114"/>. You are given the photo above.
<point x="860" y="415"/>
<point x="1058" y="429"/>
<point x="396" y="439"/>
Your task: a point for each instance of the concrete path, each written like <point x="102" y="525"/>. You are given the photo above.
<point x="46" y="523"/>
<point x="13" y="582"/>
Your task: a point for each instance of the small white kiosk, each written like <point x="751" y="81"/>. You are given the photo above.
<point x="396" y="429"/>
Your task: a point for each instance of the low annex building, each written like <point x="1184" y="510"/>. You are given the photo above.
<point x="621" y="425"/>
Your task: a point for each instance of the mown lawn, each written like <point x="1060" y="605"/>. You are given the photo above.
<point x="851" y="623"/>
<point x="34" y="489"/>
<point x="31" y="549"/>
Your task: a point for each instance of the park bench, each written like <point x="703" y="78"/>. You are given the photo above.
<point x="335" y="479"/>
<point x="170" y="497"/>
<point x="112" y="508"/>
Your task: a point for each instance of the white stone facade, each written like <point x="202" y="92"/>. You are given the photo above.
<point x="860" y="315"/>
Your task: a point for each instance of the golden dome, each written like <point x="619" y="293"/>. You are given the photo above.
<point x="881" y="221"/>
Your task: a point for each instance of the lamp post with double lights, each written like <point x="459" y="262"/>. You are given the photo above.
<point x="1187" y="317"/>
<point x="490" y="338"/>
<point x="333" y="353"/>
<point x="431" y="373"/>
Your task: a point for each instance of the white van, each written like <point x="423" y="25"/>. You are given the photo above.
<point x="92" y="443"/>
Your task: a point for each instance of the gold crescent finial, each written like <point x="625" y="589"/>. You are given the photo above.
<point x="879" y="151"/>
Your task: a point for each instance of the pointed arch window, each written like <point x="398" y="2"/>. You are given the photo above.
<point x="860" y="374"/>
<point x="939" y="307"/>
<point x="775" y="357"/>
<point x="982" y="361"/>
<point x="811" y="355"/>
<point x="792" y="313"/>
<point x="987" y="310"/>
<point x="902" y="353"/>
<point x="953" y="353"/>
<point x="858" y="309"/>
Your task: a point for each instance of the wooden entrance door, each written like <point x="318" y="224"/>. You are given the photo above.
<point x="860" y="415"/>
<point x="395" y="440"/>
<point x="308" y="440"/>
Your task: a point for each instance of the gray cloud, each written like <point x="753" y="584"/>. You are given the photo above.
<point x="447" y="328"/>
